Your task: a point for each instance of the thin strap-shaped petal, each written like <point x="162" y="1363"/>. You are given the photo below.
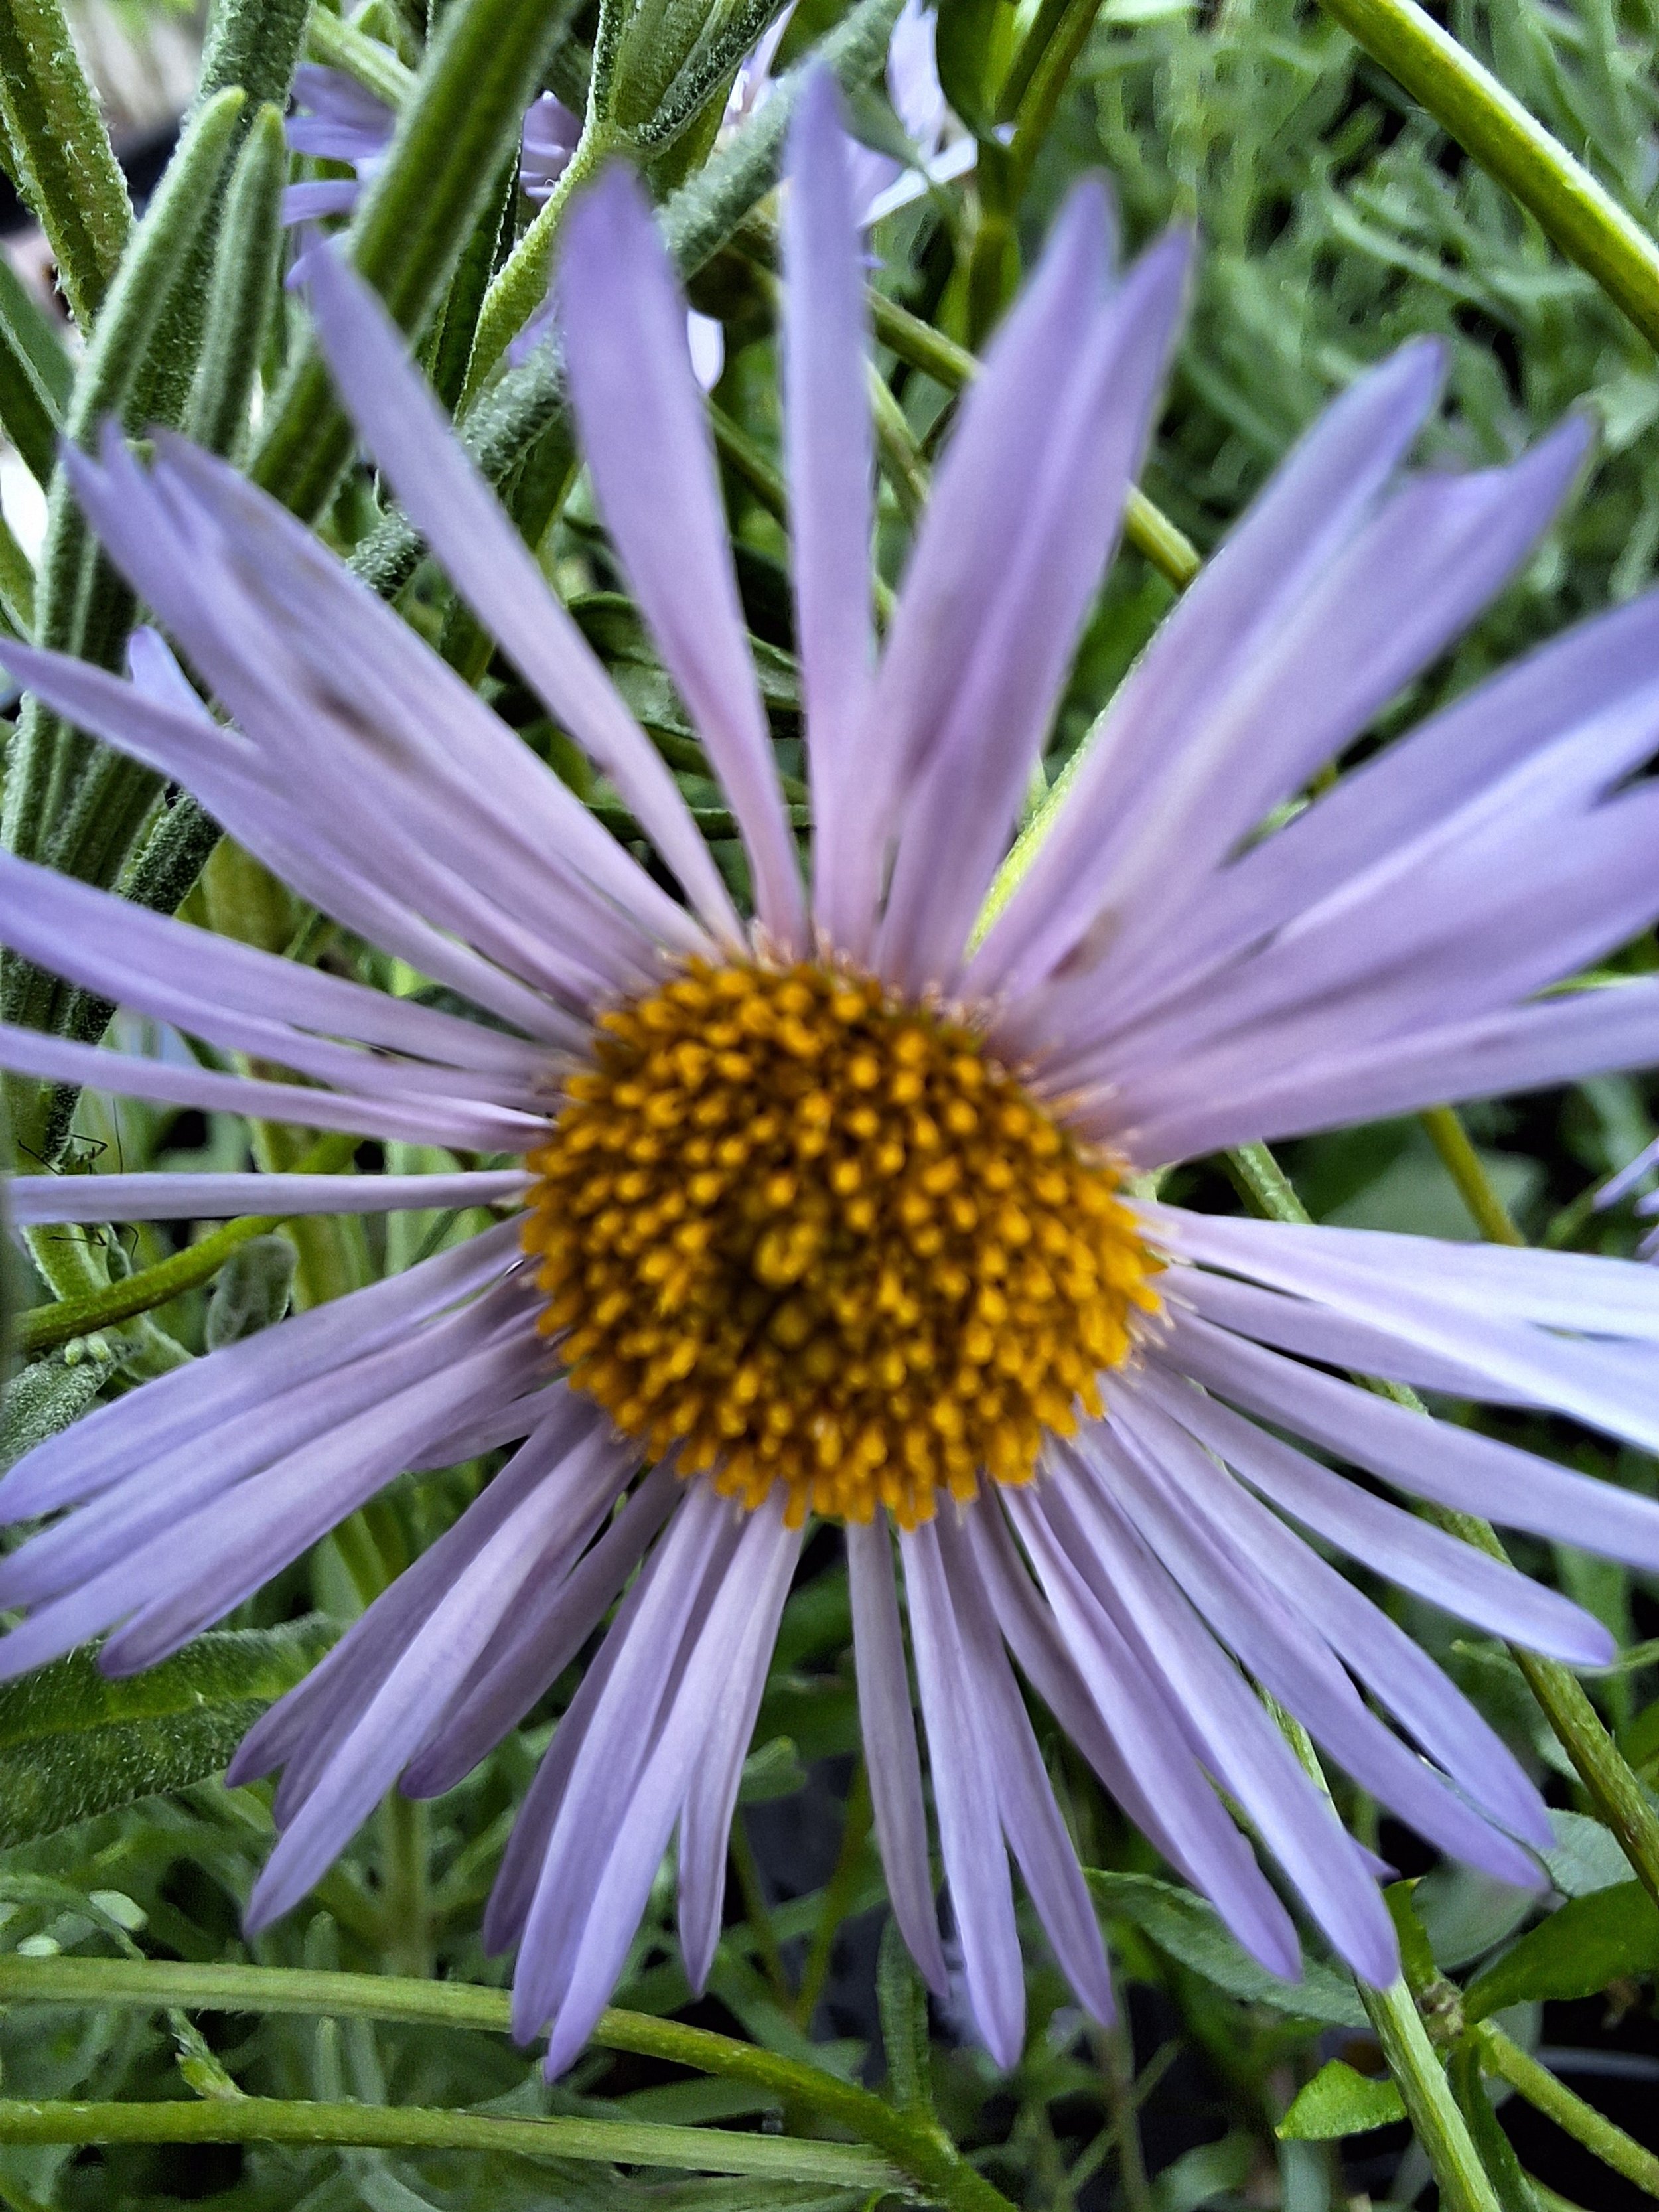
<point x="1452" y="1465"/>
<point x="1242" y="1745"/>
<point x="646" y="438"/>
<point x="1548" y="1041"/>
<point x="887" y="1727"/>
<point x="620" y="1729"/>
<point x="711" y="1790"/>
<point x="828" y="442"/>
<point x="1289" y="536"/>
<point x="1403" y="1547"/>
<point x="955" y="568"/>
<point x="1145" y="1726"/>
<point x="726" y="1672"/>
<point x="997" y="708"/>
<point x="549" y="1632"/>
<point x="1025" y="1797"/>
<point x="1401" y="1673"/>
<point x="450" y="503"/>
<point x="1256" y="1616"/>
<point x="176" y="1197"/>
<point x="464" y="1123"/>
<point x="965" y="1800"/>
<point x="397" y="1613"/>
<point x="243" y="979"/>
<point x="366" y="1762"/>
<point x="1602" y="1381"/>
<point x="118" y="1439"/>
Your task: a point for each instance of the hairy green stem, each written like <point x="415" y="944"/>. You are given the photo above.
<point x="406" y="2127"/>
<point x="908" y="2139"/>
<point x="1475" y="1187"/>
<point x="339" y="45"/>
<point x="44" y="1328"/>
<point x="1147" y="528"/>
<point x="1469" y="104"/>
<point x="1551" y="2097"/>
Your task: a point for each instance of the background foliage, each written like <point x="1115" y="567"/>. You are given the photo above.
<point x="1337" y="221"/>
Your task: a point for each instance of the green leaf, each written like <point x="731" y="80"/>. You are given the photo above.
<point x="971" y="44"/>
<point x="30" y="405"/>
<point x="1587" y="1856"/>
<point x="252" y="1290"/>
<point x="91" y="838"/>
<point x="73" y="1743"/>
<point x="48" y="1395"/>
<point x="1590" y="1942"/>
<point x="244" y="288"/>
<point x="1192" y="1932"/>
<point x="65" y="165"/>
<point x="1339" y="2102"/>
<point x="774" y="1771"/>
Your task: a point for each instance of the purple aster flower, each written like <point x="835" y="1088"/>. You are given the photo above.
<point x="837" y="1211"/>
<point x="337" y="120"/>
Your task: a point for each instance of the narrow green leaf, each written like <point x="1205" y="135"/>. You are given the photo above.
<point x="30" y="404"/>
<point x="246" y="263"/>
<point x="460" y="124"/>
<point x="1590" y="1942"/>
<point x="16" y="583"/>
<point x="36" y="332"/>
<point x="45" y="763"/>
<point x="970" y="35"/>
<point x="1192" y="1932"/>
<point x="67" y="168"/>
<point x="1338" y="2102"/>
<point x="73" y="1743"/>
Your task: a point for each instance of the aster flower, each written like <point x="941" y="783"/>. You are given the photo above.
<point x="337" y="120"/>
<point x="836" y="1212"/>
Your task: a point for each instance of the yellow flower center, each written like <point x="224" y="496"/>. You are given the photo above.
<point x="810" y="1236"/>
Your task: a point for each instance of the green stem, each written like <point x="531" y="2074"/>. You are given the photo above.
<point x="66" y="167"/>
<point x="46" y="1326"/>
<point x="908" y="2139"/>
<point x="1429" y="2105"/>
<point x="1551" y="2097"/>
<point x="1465" y="2185"/>
<point x="1603" y="1768"/>
<point x="405" y="2127"/>
<point x="1474" y="1186"/>
<point x="1147" y="528"/>
<point x="837" y="1898"/>
<point x="1489" y="123"/>
<point x="1118" y="2080"/>
<point x="407" y="1941"/>
<point x="521" y="285"/>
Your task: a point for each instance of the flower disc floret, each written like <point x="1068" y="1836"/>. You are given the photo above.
<point x="807" y="1234"/>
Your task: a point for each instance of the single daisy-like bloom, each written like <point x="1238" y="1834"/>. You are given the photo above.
<point x="837" y="1212"/>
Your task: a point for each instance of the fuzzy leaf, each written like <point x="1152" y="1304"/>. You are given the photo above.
<point x="1340" y="2102"/>
<point x="1590" y="1942"/>
<point x="73" y="1743"/>
<point x="1192" y="1932"/>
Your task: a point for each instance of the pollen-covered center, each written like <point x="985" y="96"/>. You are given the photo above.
<point x="813" y="1237"/>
